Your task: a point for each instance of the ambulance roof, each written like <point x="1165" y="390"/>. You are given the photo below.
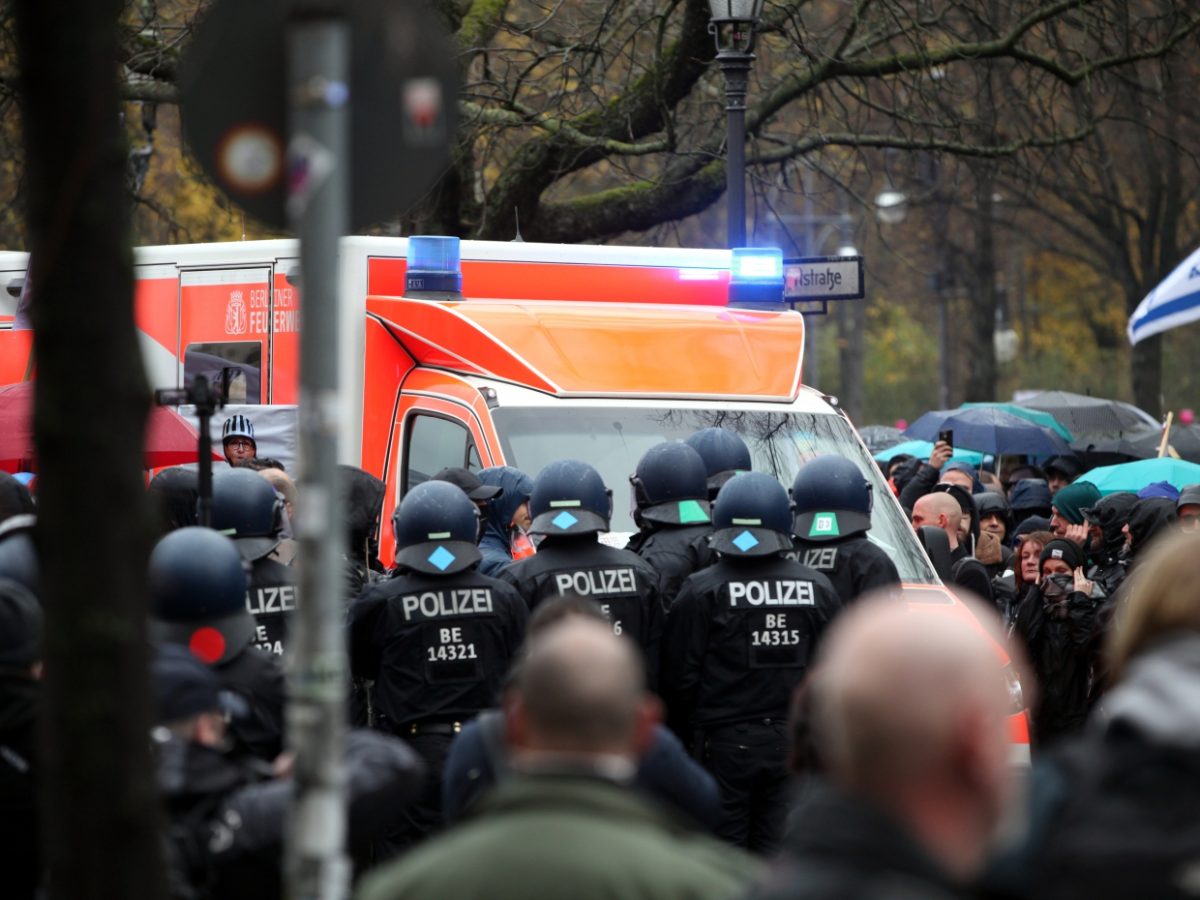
<point x="602" y="349"/>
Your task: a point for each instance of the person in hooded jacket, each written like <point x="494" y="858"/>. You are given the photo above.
<point x="1187" y="508"/>
<point x="672" y="513"/>
<point x="1108" y="551"/>
<point x="20" y="697"/>
<point x="1118" y="807"/>
<point x="361" y="505"/>
<point x="916" y="479"/>
<point x="1147" y="520"/>
<point x="1058" y="620"/>
<point x="506" y="520"/>
<point x="1030" y="498"/>
<point x="993" y="551"/>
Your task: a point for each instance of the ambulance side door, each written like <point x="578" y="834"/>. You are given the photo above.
<point x="225" y="328"/>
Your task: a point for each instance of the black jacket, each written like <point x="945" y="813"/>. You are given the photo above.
<point x="841" y="846"/>
<point x="921" y="483"/>
<point x="620" y="582"/>
<point x="257" y="677"/>
<point x="1063" y="653"/>
<point x="437" y="647"/>
<point x="1116" y="815"/>
<point x="20" y="847"/>
<point x="854" y="565"/>
<point x="740" y="637"/>
<point x="673" y="551"/>
<point x="227" y="820"/>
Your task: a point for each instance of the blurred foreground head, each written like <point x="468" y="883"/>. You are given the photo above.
<point x="910" y="714"/>
<point x="578" y="695"/>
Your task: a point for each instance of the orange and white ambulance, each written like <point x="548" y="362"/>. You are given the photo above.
<point x="596" y="353"/>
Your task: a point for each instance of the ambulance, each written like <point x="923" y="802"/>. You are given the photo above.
<point x="589" y="352"/>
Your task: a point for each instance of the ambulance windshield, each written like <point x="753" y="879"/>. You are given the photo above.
<point x="613" y="439"/>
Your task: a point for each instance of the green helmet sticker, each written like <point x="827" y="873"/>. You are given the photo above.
<point x="691" y="512"/>
<point x="824" y="524"/>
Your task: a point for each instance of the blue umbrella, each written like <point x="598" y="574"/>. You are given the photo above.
<point x="1037" y="416"/>
<point x="922" y="449"/>
<point x="1133" y="476"/>
<point x="989" y="430"/>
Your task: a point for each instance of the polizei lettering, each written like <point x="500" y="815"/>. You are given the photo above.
<point x="596" y="582"/>
<point x="271" y="599"/>
<point x="771" y="593"/>
<point x="823" y="559"/>
<point x="451" y="602"/>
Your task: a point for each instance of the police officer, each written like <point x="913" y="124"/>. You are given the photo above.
<point x="724" y="452"/>
<point x="831" y="503"/>
<point x="739" y="638"/>
<point x="570" y="506"/>
<point x="671" y="512"/>
<point x="437" y="638"/>
<point x="246" y="508"/>
<point x="198" y="595"/>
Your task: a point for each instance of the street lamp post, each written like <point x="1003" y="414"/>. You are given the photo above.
<point x="732" y="26"/>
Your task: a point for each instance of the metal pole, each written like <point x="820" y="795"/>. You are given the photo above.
<point x="735" y="65"/>
<point x="315" y="865"/>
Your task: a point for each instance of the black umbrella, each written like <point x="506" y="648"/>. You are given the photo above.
<point x="1087" y="416"/>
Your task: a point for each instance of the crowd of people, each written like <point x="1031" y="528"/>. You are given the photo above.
<point x="737" y="703"/>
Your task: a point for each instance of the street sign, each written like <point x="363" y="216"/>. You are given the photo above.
<point x="823" y="278"/>
<point x="402" y="100"/>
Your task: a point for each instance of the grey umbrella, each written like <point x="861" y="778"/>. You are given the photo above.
<point x="1083" y="415"/>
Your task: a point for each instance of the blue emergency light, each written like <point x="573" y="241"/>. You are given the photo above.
<point x="756" y="278"/>
<point x="434" y="268"/>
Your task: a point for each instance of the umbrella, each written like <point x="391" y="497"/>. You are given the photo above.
<point x="1089" y="415"/>
<point x="989" y="431"/>
<point x="1136" y="443"/>
<point x="922" y="449"/>
<point x="1175" y="302"/>
<point x="1133" y="476"/>
<point x="1037" y="416"/>
<point x="170" y="440"/>
<point x="879" y="437"/>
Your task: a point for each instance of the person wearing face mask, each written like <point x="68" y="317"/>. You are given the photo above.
<point x="1058" y="620"/>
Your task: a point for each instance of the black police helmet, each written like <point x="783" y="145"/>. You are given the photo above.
<point x="724" y="454"/>
<point x="751" y="517"/>
<point x="569" y="497"/>
<point x="831" y="498"/>
<point x="18" y="553"/>
<point x="435" y="527"/>
<point x="246" y="508"/>
<point x="671" y="486"/>
<point x="198" y="594"/>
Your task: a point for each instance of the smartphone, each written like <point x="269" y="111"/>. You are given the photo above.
<point x="946" y="435"/>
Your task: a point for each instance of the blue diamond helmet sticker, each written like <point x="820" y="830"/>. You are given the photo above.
<point x="745" y="541"/>
<point x="564" y="520"/>
<point x="441" y="557"/>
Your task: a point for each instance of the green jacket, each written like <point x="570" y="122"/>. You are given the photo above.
<point x="551" y="836"/>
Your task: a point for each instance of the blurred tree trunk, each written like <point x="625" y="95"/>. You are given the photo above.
<point x="100" y="805"/>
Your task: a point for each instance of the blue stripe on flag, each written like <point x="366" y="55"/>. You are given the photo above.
<point x="1170" y="308"/>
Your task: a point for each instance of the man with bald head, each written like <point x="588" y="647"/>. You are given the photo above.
<point x="940" y="510"/>
<point x="909" y="722"/>
<point x="577" y="719"/>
